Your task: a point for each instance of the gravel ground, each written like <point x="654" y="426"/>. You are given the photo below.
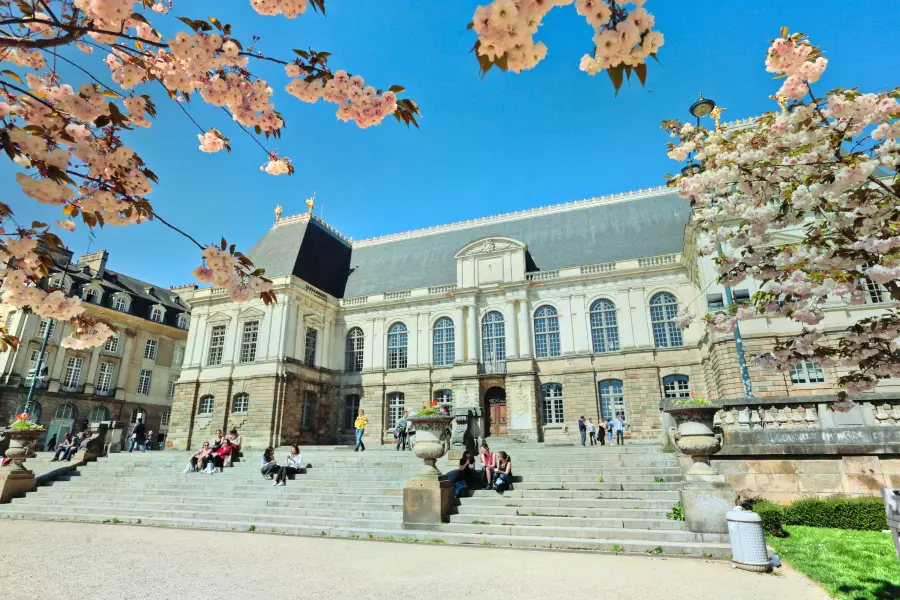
<point x="43" y="560"/>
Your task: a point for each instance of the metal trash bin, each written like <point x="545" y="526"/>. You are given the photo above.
<point x="891" y="498"/>
<point x="748" y="543"/>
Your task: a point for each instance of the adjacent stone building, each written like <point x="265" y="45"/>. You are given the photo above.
<point x="133" y="375"/>
<point x="529" y="319"/>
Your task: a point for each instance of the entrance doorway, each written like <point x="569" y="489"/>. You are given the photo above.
<point x="63" y="422"/>
<point x="495" y="411"/>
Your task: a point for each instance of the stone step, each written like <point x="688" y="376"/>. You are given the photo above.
<point x="594" y="533"/>
<point x="619" y="546"/>
<point x="586" y="501"/>
<point x="282" y="496"/>
<point x="590" y="523"/>
<point x="602" y="508"/>
<point x="220" y="483"/>
<point x="643" y="487"/>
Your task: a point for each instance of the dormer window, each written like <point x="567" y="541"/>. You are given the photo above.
<point x="182" y="321"/>
<point x="91" y="295"/>
<point x="156" y="314"/>
<point x="120" y="303"/>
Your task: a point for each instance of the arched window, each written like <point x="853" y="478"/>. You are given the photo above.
<point x="493" y="338"/>
<point x="546" y="332"/>
<point x="182" y="321"/>
<point x="612" y="400"/>
<point x="663" y="312"/>
<point x="444" y="353"/>
<point x="66" y="412"/>
<point x="241" y="403"/>
<point x="351" y="408"/>
<point x="308" y="410"/>
<point x="206" y="405"/>
<point x="396" y="406"/>
<point x="552" y="407"/>
<point x="34" y="412"/>
<point x="156" y="314"/>
<point x="444" y="397"/>
<point x="140" y="413"/>
<point x="91" y="295"/>
<point x="98" y="414"/>
<point x="120" y="303"/>
<point x="677" y="386"/>
<point x="604" y="326"/>
<point x="356" y="341"/>
<point x="397" y="353"/>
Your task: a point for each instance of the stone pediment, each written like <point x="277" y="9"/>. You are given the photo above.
<point x="250" y="313"/>
<point x="490" y="245"/>
<point x="490" y="261"/>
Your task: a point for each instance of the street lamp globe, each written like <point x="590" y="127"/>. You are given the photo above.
<point x="702" y="107"/>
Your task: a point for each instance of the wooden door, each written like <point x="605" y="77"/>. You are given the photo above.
<point x="498" y="418"/>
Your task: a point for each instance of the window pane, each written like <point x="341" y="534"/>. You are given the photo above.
<point x="351" y="408"/>
<point x="397" y="350"/>
<point x="248" y="341"/>
<point x="444" y="350"/>
<point x="604" y="326"/>
<point x="676" y="386"/>
<point x="612" y="400"/>
<point x="309" y="356"/>
<point x="396" y="404"/>
<point x="663" y="312"/>
<point x="354" y="350"/>
<point x="144" y="382"/>
<point x="216" y="345"/>
<point x="546" y="332"/>
<point x="552" y="403"/>
<point x="493" y="338"/>
<point x="104" y="379"/>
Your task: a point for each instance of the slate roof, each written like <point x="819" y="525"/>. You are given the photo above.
<point x="646" y="225"/>
<point x="143" y="295"/>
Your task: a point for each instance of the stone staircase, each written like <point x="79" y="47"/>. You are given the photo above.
<point x="602" y="498"/>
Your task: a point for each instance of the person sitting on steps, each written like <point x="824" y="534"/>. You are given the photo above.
<point x="198" y="460"/>
<point x="235" y="440"/>
<point x="360" y="425"/>
<point x="269" y="468"/>
<point x="291" y="466"/>
<point x="218" y="457"/>
<point x="504" y="473"/>
<point x="217" y="441"/>
<point x="464" y="476"/>
<point x="62" y="450"/>
<point x="489" y="463"/>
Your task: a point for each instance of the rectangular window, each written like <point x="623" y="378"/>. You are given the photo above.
<point x="248" y="341"/>
<point x="396" y="405"/>
<point x="875" y="292"/>
<point x="165" y="419"/>
<point x="807" y="372"/>
<point x="104" y="379"/>
<point x="612" y="399"/>
<point x="307" y="411"/>
<point x="144" y="382"/>
<point x="43" y="328"/>
<point x="351" y="409"/>
<point x="553" y="409"/>
<point x="677" y="386"/>
<point x="150" y="349"/>
<point x="170" y="392"/>
<point x="73" y="373"/>
<point x="112" y="343"/>
<point x="309" y="356"/>
<point x="216" y="346"/>
<point x="179" y="356"/>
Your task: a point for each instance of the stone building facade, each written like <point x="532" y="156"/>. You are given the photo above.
<point x="529" y="319"/>
<point x="133" y="375"/>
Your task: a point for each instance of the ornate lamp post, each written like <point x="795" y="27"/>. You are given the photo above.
<point x="704" y="107"/>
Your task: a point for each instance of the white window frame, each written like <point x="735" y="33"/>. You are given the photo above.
<point x="676" y="386"/>
<point x="351" y="410"/>
<point x="183" y="321"/>
<point x="165" y="420"/>
<point x="91" y="295"/>
<point x="309" y="346"/>
<point x="875" y="292"/>
<point x="546" y="332"/>
<point x="553" y="408"/>
<point x="613" y="398"/>
<point x="806" y="372"/>
<point x="105" y="374"/>
<point x="396" y="406"/>
<point x="663" y="321"/>
<point x="241" y="403"/>
<point x="604" y="326"/>
<point x="72" y="378"/>
<point x="112" y="343"/>
<point x="170" y="391"/>
<point x="150" y="349"/>
<point x="178" y="356"/>
<point x="216" y="352"/>
<point x="43" y="326"/>
<point x="144" y="382"/>
<point x="120" y="303"/>
<point x="104" y="414"/>
<point x="249" y="341"/>
<point x="445" y="397"/>
<point x="444" y="342"/>
<point x="398" y="346"/>
<point x="207" y="405"/>
<point x="354" y="347"/>
<point x="157" y="311"/>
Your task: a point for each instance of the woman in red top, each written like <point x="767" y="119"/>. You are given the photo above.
<point x="489" y="461"/>
<point x="222" y="453"/>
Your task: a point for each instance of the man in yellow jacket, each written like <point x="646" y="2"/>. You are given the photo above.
<point x="360" y="424"/>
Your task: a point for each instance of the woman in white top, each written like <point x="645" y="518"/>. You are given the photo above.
<point x="292" y="466"/>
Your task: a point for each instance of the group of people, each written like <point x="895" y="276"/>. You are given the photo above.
<point x="140" y="438"/>
<point x="214" y="457"/>
<point x="600" y="433"/>
<point x="66" y="449"/>
<point x="270" y="469"/>
<point x="495" y="472"/>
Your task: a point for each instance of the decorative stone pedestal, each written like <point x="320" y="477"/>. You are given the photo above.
<point x="426" y="504"/>
<point x="15" y="483"/>
<point x="706" y="499"/>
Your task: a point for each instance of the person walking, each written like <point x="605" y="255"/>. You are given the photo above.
<point x="592" y="431"/>
<point x="601" y="431"/>
<point x="51" y="444"/>
<point x="137" y="435"/>
<point x="609" y="430"/>
<point x="582" y="429"/>
<point x="360" y="425"/>
<point x="400" y="431"/>
<point x="619" y="425"/>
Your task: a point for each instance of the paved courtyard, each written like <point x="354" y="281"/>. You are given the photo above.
<point x="42" y="560"/>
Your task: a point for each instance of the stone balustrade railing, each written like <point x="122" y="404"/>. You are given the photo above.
<point x="809" y="412"/>
<point x="542" y="276"/>
<point x="441" y="289"/>
<point x="600" y="268"/>
<point x="316" y="292"/>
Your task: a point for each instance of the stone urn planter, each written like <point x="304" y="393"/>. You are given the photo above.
<point x="694" y="435"/>
<point x="431" y="441"/>
<point x="21" y="446"/>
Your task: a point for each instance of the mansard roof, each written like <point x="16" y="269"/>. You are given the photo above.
<point x="618" y="227"/>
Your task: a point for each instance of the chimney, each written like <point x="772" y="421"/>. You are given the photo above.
<point x="185" y="292"/>
<point x="96" y="261"/>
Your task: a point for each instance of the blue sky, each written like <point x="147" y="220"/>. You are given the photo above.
<point x="488" y="146"/>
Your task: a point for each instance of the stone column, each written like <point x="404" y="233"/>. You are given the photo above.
<point x="581" y="333"/>
<point x="566" y="343"/>
<point x="513" y="350"/>
<point x="640" y="318"/>
<point x="524" y="330"/>
<point x="471" y="335"/>
<point x="369" y="345"/>
<point x="90" y="379"/>
<point x="459" y="335"/>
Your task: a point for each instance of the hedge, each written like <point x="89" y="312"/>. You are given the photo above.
<point x="863" y="514"/>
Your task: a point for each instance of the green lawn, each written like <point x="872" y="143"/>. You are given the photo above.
<point x="850" y="565"/>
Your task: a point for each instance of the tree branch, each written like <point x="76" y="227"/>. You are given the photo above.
<point x="29" y="94"/>
<point x="42" y="43"/>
